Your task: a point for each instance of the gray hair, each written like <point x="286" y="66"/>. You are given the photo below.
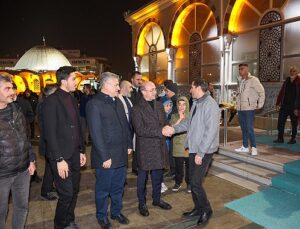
<point x="105" y="76"/>
<point x="5" y="78"/>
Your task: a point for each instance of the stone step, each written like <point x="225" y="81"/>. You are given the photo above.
<point x="254" y="160"/>
<point x="244" y="169"/>
<point x="238" y="180"/>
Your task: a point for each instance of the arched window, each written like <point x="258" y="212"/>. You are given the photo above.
<point x="270" y="48"/>
<point x="151" y="49"/>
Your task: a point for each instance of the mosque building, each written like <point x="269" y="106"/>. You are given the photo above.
<point x="37" y="67"/>
<point x="182" y="39"/>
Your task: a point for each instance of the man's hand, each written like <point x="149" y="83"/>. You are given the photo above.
<point x="31" y="168"/>
<point x="82" y="159"/>
<point x="168" y="131"/>
<point x="129" y="151"/>
<point x="277" y="107"/>
<point x="198" y="160"/>
<point x="107" y="164"/>
<point x="63" y="169"/>
<point x="296" y="112"/>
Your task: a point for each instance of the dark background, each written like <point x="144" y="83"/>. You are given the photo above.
<point x="97" y="28"/>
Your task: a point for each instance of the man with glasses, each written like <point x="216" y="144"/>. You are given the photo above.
<point x="111" y="143"/>
<point x="286" y="102"/>
<point x="148" y="118"/>
<point x="251" y="96"/>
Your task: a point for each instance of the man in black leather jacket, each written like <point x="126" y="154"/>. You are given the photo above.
<point x="16" y="157"/>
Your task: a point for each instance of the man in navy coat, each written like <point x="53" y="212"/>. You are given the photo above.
<point x="111" y="144"/>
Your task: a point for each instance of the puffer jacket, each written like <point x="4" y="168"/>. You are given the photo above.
<point x="251" y="94"/>
<point x="15" y="148"/>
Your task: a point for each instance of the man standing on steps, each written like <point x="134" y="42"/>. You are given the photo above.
<point x="251" y="96"/>
<point x="286" y="104"/>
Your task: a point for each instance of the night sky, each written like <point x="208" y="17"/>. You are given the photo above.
<point x="96" y="27"/>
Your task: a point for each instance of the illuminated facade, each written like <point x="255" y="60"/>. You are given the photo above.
<point x="181" y="39"/>
<point x="37" y="67"/>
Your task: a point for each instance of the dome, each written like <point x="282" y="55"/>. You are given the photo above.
<point x="42" y="58"/>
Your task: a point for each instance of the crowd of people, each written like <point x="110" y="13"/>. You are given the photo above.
<point x="165" y="133"/>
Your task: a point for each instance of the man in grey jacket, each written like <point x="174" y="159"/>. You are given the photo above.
<point x="251" y="96"/>
<point x="202" y="140"/>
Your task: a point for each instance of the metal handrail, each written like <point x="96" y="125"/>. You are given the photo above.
<point x="225" y="109"/>
<point x="270" y="117"/>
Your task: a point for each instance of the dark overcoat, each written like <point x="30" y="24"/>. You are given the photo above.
<point x="150" y="143"/>
<point x="109" y="130"/>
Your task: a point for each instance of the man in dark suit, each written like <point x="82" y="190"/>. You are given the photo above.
<point x="148" y="119"/>
<point x="111" y="144"/>
<point x="64" y="145"/>
<point x="136" y="80"/>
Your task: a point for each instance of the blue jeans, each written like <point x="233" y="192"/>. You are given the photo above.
<point x="246" y="120"/>
<point x="18" y="185"/>
<point x="109" y="183"/>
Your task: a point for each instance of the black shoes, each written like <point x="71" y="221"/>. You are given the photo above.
<point x="163" y="205"/>
<point x="205" y="216"/>
<point x="104" y="224"/>
<point x="192" y="213"/>
<point x="278" y="140"/>
<point x="49" y="196"/>
<point x="121" y="219"/>
<point x="143" y="210"/>
<point x="292" y="141"/>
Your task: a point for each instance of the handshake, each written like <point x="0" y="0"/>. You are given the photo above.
<point x="168" y="131"/>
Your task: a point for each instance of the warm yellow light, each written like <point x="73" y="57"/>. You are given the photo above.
<point x="142" y="40"/>
<point x="48" y="78"/>
<point x="235" y="14"/>
<point x="33" y="81"/>
<point x="21" y="87"/>
<point x="153" y="8"/>
<point x="175" y="41"/>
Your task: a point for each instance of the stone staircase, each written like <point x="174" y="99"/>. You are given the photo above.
<point x="253" y="173"/>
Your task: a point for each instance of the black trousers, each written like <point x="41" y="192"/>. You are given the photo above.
<point x="284" y="112"/>
<point x="181" y="169"/>
<point x="67" y="189"/>
<point x="47" y="185"/>
<point x="156" y="178"/>
<point x="134" y="162"/>
<point x="197" y="173"/>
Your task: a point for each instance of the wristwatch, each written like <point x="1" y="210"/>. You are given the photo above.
<point x="59" y="159"/>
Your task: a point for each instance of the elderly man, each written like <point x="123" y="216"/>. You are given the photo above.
<point x="202" y="140"/>
<point x="124" y="95"/>
<point x="148" y="119"/>
<point x="111" y="144"/>
<point x="64" y="145"/>
<point x="251" y="96"/>
<point x="16" y="157"/>
<point x="286" y="104"/>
